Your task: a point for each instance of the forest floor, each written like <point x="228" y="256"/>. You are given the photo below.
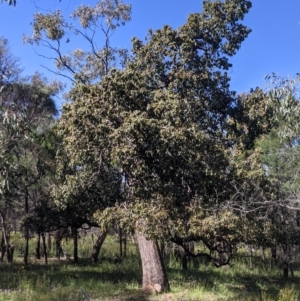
<point x="62" y="280"/>
<point x="107" y="281"/>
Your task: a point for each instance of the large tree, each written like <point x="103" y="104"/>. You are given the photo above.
<point x="161" y="124"/>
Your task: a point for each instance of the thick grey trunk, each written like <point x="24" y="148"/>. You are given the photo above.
<point x="154" y="273"/>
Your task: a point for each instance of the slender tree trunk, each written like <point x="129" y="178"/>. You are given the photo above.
<point x="6" y="247"/>
<point x="285" y="269"/>
<point x="120" y="242"/>
<point x="97" y="247"/>
<point x="125" y="246"/>
<point x="26" y="251"/>
<point x="182" y="255"/>
<point x="274" y="253"/>
<point x="286" y="261"/>
<point x="273" y="256"/>
<point x="154" y="273"/>
<point x="263" y="257"/>
<point x="10" y="253"/>
<point x="191" y="245"/>
<point x="250" y="256"/>
<point x="59" y="249"/>
<point x="291" y="269"/>
<point x="3" y="246"/>
<point x="49" y="243"/>
<point x="184" y="261"/>
<point x="44" y="247"/>
<point x="9" y="249"/>
<point x="75" y="240"/>
<point x="38" y="246"/>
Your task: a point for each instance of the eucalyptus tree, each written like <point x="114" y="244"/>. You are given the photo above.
<point x="161" y="124"/>
<point x="265" y="156"/>
<point x="31" y="109"/>
<point x="92" y="24"/>
<point x="87" y="64"/>
<point x="9" y="133"/>
<point x="27" y="109"/>
<point x="280" y="156"/>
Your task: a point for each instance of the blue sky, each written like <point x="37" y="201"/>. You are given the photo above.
<point x="273" y="45"/>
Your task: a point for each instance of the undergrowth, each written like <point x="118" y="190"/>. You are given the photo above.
<point x="110" y="280"/>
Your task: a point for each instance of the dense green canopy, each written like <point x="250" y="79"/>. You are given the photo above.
<point x="161" y="122"/>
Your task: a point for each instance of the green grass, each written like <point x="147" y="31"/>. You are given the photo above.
<point x="62" y="280"/>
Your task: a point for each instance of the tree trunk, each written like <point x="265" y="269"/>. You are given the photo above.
<point x="120" y="242"/>
<point x="263" y="257"/>
<point x="250" y="250"/>
<point x="184" y="261"/>
<point x="287" y="261"/>
<point x="26" y="251"/>
<point x="154" y="273"/>
<point x="125" y="245"/>
<point x="273" y="256"/>
<point x="285" y="269"/>
<point x="38" y="246"/>
<point x="49" y="244"/>
<point x="285" y="251"/>
<point x="10" y="253"/>
<point x="274" y="253"/>
<point x="6" y="247"/>
<point x="3" y="247"/>
<point x="44" y="247"/>
<point x="59" y="249"/>
<point x="97" y="247"/>
<point x="75" y="239"/>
